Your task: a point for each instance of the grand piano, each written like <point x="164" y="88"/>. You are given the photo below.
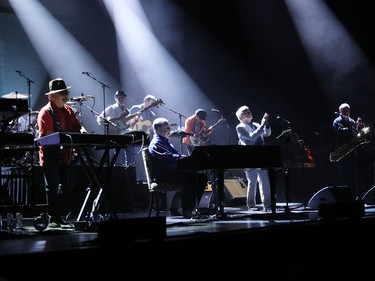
<point x="224" y="157"/>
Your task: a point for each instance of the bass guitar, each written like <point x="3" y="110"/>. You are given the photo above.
<point x="129" y="121"/>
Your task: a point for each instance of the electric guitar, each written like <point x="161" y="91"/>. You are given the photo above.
<point x="201" y="138"/>
<point x="130" y="120"/>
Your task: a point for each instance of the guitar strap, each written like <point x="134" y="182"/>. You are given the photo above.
<point x="55" y="118"/>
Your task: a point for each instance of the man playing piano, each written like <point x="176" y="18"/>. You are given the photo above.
<point x="57" y="116"/>
<point x="164" y="165"/>
<point x="252" y="133"/>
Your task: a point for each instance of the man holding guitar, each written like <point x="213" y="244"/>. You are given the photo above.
<point x="116" y="113"/>
<point x="197" y="130"/>
<point x="144" y="114"/>
<point x="141" y="118"/>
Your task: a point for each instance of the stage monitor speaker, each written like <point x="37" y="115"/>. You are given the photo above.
<point x="369" y="196"/>
<point x="235" y="192"/>
<point x="331" y="194"/>
<point x="207" y="205"/>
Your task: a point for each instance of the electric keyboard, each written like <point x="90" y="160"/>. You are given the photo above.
<point x="78" y="139"/>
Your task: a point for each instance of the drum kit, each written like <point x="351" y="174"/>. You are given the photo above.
<point x="28" y="123"/>
<point x="76" y="103"/>
<point x="15" y="95"/>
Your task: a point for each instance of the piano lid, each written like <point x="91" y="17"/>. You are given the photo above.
<point x="213" y="157"/>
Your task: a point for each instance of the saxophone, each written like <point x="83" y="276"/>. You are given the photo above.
<point x="345" y="149"/>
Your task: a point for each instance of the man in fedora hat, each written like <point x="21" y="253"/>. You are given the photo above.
<point x="57" y="165"/>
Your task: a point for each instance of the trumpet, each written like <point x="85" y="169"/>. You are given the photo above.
<point x="345" y="149"/>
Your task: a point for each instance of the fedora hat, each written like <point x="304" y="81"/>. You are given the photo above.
<point x="57" y="85"/>
<point x="120" y="93"/>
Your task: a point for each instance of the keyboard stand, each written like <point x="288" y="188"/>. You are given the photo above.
<point x="95" y="186"/>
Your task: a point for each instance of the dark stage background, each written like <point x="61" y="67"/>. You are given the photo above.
<point x="236" y="52"/>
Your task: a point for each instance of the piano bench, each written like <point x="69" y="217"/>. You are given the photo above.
<point x="156" y="188"/>
<point x="156" y="192"/>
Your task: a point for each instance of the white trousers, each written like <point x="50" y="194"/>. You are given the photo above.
<point x="255" y="176"/>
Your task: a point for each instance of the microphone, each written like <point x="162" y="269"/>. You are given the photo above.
<point x="18" y="71"/>
<point x="283" y="120"/>
<point x="337" y="114"/>
<point x="215" y="110"/>
<point x="179" y="134"/>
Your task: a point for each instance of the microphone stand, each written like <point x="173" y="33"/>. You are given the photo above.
<point x="29" y="81"/>
<point x="106" y="121"/>
<point x="287" y="138"/>
<point x="180" y="115"/>
<point x="227" y="124"/>
<point x="95" y="113"/>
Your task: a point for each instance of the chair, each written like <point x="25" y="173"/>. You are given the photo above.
<point x="156" y="188"/>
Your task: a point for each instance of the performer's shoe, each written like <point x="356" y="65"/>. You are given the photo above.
<point x="57" y="221"/>
<point x="54" y="225"/>
<point x="188" y="214"/>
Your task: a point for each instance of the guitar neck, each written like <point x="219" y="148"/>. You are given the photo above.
<point x="214" y="125"/>
<point x="139" y="112"/>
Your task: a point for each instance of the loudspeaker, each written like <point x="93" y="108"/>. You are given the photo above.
<point x="206" y="204"/>
<point x="369" y="196"/>
<point x="235" y="192"/>
<point x="331" y="194"/>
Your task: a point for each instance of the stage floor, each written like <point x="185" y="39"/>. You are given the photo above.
<point x="263" y="235"/>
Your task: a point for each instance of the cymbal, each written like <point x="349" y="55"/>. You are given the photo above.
<point x="15" y="95"/>
<point x="82" y="98"/>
